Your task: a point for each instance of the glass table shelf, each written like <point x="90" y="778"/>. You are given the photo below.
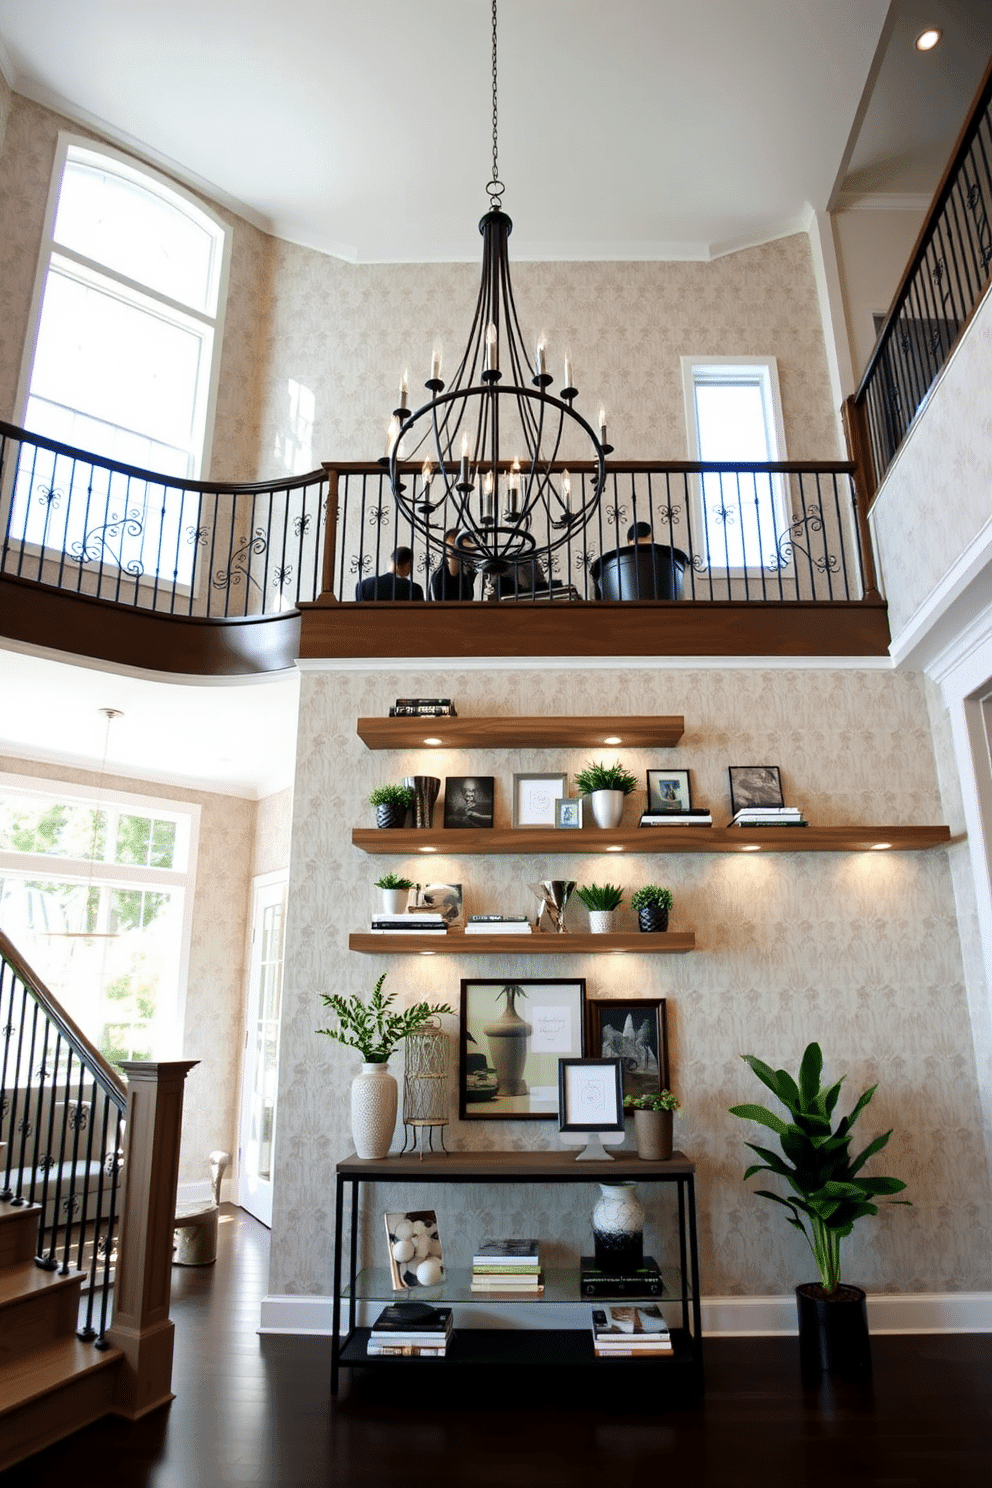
<point x="561" y="1284"/>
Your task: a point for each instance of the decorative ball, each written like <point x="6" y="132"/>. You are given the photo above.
<point x="403" y="1250"/>
<point x="419" y="1228"/>
<point x="434" y="1246"/>
<point x="422" y="1246"/>
<point x="429" y="1272"/>
<point x="403" y="1229"/>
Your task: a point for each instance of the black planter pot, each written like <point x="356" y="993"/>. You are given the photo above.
<point x="390" y="814"/>
<point x="833" y="1332"/>
<point x="652" y="917"/>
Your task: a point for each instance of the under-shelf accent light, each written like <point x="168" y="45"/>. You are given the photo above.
<point x="613" y="739"/>
<point x="427" y="849"/>
<point x="928" y="39"/>
<point x="880" y="846"/>
<point x="751" y="847"/>
<point x="432" y="741"/>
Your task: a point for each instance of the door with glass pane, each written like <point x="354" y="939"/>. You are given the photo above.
<point x="261" y="1063"/>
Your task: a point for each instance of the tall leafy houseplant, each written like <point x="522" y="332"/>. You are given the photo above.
<point x="828" y="1194"/>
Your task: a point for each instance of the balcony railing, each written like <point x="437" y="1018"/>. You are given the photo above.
<point x="946" y="277"/>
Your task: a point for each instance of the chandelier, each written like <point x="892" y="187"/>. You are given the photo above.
<point x="490" y="439"/>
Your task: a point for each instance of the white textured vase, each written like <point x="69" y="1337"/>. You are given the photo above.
<point x="618" y="1229"/>
<point x="373" y="1110"/>
<point x="601" y="921"/>
<point x="607" y="807"/>
<point x="394" y="901"/>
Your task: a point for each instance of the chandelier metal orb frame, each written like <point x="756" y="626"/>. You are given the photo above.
<point x="488" y="445"/>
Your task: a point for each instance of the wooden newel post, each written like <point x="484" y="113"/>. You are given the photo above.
<point x="141" y="1324"/>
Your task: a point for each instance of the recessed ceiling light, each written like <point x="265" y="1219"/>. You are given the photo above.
<point x="928" y="39"/>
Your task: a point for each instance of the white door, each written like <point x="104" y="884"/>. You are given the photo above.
<point x="261" y="1062"/>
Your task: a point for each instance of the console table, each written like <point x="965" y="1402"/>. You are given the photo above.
<point x="536" y="1346"/>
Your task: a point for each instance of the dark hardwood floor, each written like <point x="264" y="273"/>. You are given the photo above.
<point x="254" y="1410"/>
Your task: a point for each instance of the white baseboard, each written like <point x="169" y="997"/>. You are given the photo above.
<point x="723" y="1317"/>
<point x="195" y="1193"/>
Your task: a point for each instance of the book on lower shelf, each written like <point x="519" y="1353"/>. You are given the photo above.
<point x="499" y="927"/>
<point x="507" y="1252"/>
<point x="407" y="1328"/>
<point x="768" y="816"/>
<point x="630" y="1332"/>
<point x="521" y="1285"/>
<point x="642" y="1281"/>
<point x="406" y="1350"/>
<point x="695" y="818"/>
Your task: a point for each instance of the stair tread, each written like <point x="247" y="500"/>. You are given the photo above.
<point x="25" y="1279"/>
<point x="39" y="1373"/>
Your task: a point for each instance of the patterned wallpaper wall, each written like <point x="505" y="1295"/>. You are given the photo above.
<point x="215" y="981"/>
<point x="860" y="951"/>
<point x="937" y="499"/>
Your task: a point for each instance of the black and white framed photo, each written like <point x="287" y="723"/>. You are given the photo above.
<point x="534" y="798"/>
<point x="755" y="785"/>
<point x="668" y="790"/>
<point x="568" y="812"/>
<point x="468" y="801"/>
<point x="635" y="1031"/>
<point x="512" y="1035"/>
<point x="590" y="1095"/>
<point x="440" y="898"/>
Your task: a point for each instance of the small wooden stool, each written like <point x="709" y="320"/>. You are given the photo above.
<point x="195" y="1234"/>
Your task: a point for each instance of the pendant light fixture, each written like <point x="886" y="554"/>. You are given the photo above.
<point x="488" y="439"/>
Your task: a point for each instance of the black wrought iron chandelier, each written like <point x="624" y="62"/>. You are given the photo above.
<point x="489" y="440"/>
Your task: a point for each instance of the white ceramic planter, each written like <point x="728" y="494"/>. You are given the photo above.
<point x="607" y="808"/>
<point x="601" y="921"/>
<point x="394" y="901"/>
<point x="373" y="1110"/>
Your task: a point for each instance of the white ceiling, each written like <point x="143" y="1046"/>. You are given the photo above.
<point x="635" y="129"/>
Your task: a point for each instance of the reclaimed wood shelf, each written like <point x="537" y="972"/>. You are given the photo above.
<point x="457" y="943"/>
<point x="640" y="732"/>
<point x="527" y="841"/>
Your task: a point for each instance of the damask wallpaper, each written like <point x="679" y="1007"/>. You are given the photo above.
<point x="859" y="951"/>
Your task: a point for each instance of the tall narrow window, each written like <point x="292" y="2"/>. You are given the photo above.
<point x="129" y="320"/>
<point x="734" y="417"/>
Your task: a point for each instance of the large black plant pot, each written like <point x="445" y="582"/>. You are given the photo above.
<point x="644" y="571"/>
<point x="833" y="1332"/>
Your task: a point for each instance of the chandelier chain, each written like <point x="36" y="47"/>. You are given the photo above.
<point x="495" y="188"/>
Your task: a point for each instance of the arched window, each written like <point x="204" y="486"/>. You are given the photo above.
<point x="130" y="312"/>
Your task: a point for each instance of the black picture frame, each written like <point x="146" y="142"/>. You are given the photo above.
<point x="755" y="785"/>
<point x="468" y="801"/>
<point x="669" y="790"/>
<point x="554" y="1012"/>
<point x="605" y="1094"/>
<point x="607" y="1037"/>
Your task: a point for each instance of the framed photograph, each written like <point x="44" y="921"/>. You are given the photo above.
<point x="512" y="1035"/>
<point x="590" y="1095"/>
<point x="468" y="801"/>
<point x="534" y="798"/>
<point x="668" y="790"/>
<point x="755" y="785"/>
<point x="568" y="812"/>
<point x="440" y="898"/>
<point x="415" y="1255"/>
<point x="635" y="1031"/>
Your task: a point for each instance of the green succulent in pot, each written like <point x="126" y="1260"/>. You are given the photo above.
<point x="391" y="795"/>
<point x="597" y="777"/>
<point x="651" y="894"/>
<point x="372" y="1027"/>
<point x="828" y="1195"/>
<point x="393" y="881"/>
<point x="600" y="896"/>
<point x="652" y="1100"/>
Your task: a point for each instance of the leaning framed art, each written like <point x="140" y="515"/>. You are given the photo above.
<point x="512" y="1035"/>
<point x="635" y="1031"/>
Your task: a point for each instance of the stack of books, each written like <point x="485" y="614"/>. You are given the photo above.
<point x="412" y="1330"/>
<point x="423" y="708"/>
<point x="768" y="816"/>
<point x="643" y="1281"/>
<point x="508" y="1266"/>
<point x="413" y="922"/>
<point x="630" y="1333"/>
<point x="696" y="816"/>
<point x="498" y="925"/>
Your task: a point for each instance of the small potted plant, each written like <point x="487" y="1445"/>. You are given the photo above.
<point x="653" y="905"/>
<point x="391" y="802"/>
<point x="394" y="892"/>
<point x="602" y="901"/>
<point x="829" y="1196"/>
<point x="653" y="1115"/>
<point x="606" y="786"/>
<point x="375" y="1030"/>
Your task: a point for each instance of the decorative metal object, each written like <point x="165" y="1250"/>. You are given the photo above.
<point x="425" y="1084"/>
<point x="487" y="446"/>
<point x="425" y="790"/>
<point x="554" y="894"/>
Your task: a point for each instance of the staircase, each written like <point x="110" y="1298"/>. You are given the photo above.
<point x="51" y="1383"/>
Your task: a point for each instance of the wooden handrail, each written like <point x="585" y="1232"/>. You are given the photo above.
<point x="104" y="1074"/>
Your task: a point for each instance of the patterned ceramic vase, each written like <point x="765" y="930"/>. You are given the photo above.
<point x="652" y="918"/>
<point x="374" y="1095"/>
<point x="618" y="1229"/>
<point x="601" y="921"/>
<point x="390" y="814"/>
<point x="508" y="1045"/>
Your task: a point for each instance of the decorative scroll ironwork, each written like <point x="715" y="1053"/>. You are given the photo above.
<point x="788" y="545"/>
<point x="95" y="544"/>
<point x="254" y="546"/>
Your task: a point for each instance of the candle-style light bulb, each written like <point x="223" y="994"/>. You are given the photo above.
<point x="436" y="365"/>
<point x="568" y="370"/>
<point x="566" y="489"/>
<point x="392" y="434"/>
<point x="487" y="495"/>
<point x="541" y="360"/>
<point x="602" y="426"/>
<point x="404" y="381"/>
<point x="491" y="363"/>
<point x="514" y="481"/>
<point x="426" y="476"/>
<point x="463" y="472"/>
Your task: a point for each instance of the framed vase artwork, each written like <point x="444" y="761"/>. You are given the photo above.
<point x="635" y="1031"/>
<point x="512" y="1035"/>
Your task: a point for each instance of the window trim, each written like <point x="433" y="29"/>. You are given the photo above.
<point x="141" y="173"/>
<point x="121" y="875"/>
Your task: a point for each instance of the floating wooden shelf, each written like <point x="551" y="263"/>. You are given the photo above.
<point x="521" y="733"/>
<point x="527" y="841"/>
<point x="456" y="943"/>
